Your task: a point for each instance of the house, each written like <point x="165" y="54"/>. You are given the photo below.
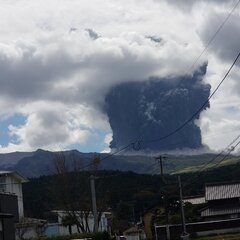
<point x="8" y="216"/>
<point x="11" y="182"/>
<point x="57" y="228"/>
<point x="221" y="215"/>
<point x="28" y="228"/>
<point x="223" y="201"/>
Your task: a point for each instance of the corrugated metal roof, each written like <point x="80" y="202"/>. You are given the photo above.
<point x="222" y="191"/>
<point x="209" y="212"/>
<point x="195" y="200"/>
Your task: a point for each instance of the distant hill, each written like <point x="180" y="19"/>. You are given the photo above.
<point x="10" y="159"/>
<point x="41" y="162"/>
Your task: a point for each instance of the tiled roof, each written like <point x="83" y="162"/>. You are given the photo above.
<point x="208" y="212"/>
<point x="222" y="191"/>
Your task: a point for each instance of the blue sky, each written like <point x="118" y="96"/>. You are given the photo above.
<point x="97" y="143"/>
<point x="5" y="137"/>
<point x="54" y="80"/>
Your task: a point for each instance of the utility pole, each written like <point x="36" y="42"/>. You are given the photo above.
<point x="166" y="217"/>
<point x="160" y="162"/>
<point x="94" y="203"/>
<point x="184" y="235"/>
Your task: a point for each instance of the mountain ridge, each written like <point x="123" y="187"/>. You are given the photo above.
<point x="42" y="162"/>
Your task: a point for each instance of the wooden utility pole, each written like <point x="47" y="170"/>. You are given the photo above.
<point x="184" y="235"/>
<point x="160" y="162"/>
<point x="94" y="203"/>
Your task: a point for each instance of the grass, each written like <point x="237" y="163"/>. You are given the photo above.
<point x="194" y="167"/>
<point x="233" y="236"/>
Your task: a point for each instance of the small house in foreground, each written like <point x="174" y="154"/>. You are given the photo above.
<point x="57" y="227"/>
<point x="11" y="182"/>
<point x="223" y="201"/>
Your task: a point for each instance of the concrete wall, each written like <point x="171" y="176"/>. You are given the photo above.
<point x="198" y="229"/>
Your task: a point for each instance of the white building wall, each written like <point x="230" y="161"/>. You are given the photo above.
<point x="103" y="225"/>
<point x="14" y="186"/>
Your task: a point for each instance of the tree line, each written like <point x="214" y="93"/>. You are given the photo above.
<point x="127" y="194"/>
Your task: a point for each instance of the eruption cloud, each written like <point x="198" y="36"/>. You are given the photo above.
<point x="154" y="108"/>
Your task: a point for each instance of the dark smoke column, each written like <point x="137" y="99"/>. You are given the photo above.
<point x="151" y="109"/>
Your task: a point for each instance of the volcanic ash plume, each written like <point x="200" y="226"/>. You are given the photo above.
<point x="152" y="109"/>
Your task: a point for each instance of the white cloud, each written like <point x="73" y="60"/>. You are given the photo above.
<point x="107" y="140"/>
<point x="220" y="124"/>
<point x="226" y="43"/>
<point x="189" y="4"/>
<point x="57" y="78"/>
<point x="47" y="127"/>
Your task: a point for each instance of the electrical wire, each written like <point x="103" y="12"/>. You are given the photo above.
<point x="195" y="180"/>
<point x="189" y="181"/>
<point x="215" y="34"/>
<point x="197" y="59"/>
<point x="229" y="149"/>
<point x="199" y="110"/>
<point x="137" y="143"/>
<point x="209" y="42"/>
<point x="217" y="156"/>
<point x="104" y="158"/>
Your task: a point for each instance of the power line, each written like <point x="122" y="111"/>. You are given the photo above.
<point x="199" y="110"/>
<point x="104" y="158"/>
<point x="147" y="168"/>
<point x="189" y="184"/>
<point x="187" y="181"/>
<point x="137" y="143"/>
<point x="215" y="34"/>
<point x="229" y="148"/>
<point x="197" y="59"/>
<point x="209" y="42"/>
